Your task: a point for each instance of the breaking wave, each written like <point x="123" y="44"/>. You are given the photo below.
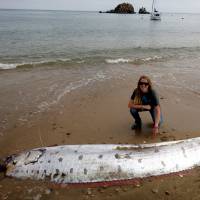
<point x="134" y="61"/>
<point x="118" y="60"/>
<point x="4" y="66"/>
<point x="135" y="56"/>
<point x="72" y="62"/>
<point x="7" y="66"/>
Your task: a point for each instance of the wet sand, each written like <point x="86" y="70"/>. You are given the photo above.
<point x="98" y="114"/>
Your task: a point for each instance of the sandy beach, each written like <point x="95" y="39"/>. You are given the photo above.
<point x="66" y="77"/>
<point x="94" y="114"/>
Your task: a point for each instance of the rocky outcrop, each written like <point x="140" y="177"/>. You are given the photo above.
<point x="124" y="8"/>
<point x="143" y="11"/>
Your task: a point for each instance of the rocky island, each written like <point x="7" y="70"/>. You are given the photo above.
<point x="143" y="11"/>
<point x="124" y="8"/>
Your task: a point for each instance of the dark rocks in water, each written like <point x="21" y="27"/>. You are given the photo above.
<point x="124" y="8"/>
<point x="143" y="11"/>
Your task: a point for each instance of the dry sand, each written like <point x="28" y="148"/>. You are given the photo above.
<point x="99" y="114"/>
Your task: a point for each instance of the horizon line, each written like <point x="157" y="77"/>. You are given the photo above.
<point x="38" y="9"/>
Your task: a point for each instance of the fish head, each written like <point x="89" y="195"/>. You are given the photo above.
<point x="22" y="159"/>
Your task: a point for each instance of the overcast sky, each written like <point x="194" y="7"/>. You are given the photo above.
<point x="96" y="5"/>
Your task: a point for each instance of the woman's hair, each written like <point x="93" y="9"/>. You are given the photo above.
<point x="138" y="93"/>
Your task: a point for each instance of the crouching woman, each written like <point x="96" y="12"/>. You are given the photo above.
<point x="144" y="98"/>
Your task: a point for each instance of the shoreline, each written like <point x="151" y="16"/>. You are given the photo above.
<point x="98" y="114"/>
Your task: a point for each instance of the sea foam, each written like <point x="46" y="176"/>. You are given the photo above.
<point x="7" y="66"/>
<point x="134" y="60"/>
<point x="118" y="60"/>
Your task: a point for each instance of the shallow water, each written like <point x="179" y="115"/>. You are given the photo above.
<point x="53" y="53"/>
<point x="62" y="38"/>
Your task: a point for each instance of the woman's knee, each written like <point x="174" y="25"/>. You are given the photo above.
<point x="133" y="111"/>
<point x="153" y="115"/>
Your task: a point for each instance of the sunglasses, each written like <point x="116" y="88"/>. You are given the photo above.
<point x="143" y="83"/>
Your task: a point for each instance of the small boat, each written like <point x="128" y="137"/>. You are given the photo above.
<point x="155" y="15"/>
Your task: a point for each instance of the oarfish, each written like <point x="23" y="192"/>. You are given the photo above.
<point x="101" y="163"/>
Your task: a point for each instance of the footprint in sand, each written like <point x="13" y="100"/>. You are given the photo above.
<point x="167" y="138"/>
<point x="54" y="126"/>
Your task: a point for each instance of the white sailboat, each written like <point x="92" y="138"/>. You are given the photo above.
<point x="155" y="15"/>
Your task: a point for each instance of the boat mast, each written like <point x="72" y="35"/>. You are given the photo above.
<point x="153" y="6"/>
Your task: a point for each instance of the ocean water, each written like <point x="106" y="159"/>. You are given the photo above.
<point x="62" y="38"/>
<point x="46" y="55"/>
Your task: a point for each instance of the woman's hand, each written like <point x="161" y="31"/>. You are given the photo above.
<point x="146" y="107"/>
<point x="155" y="130"/>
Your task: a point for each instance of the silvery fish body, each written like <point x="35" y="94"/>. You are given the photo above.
<point x="99" y="163"/>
